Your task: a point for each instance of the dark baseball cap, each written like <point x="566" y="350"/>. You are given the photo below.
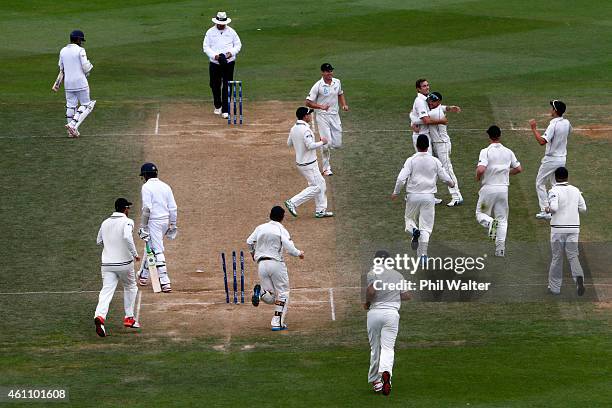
<point x="303" y="111"/>
<point x="122" y="203"/>
<point x="434" y="96"/>
<point x="558" y="106"/>
<point x="327" y="67"/>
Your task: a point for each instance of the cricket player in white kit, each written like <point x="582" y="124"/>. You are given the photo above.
<point x="301" y="138"/>
<point x="266" y="245"/>
<point x="555" y="138"/>
<point x="383" y="304"/>
<point x="74" y="68"/>
<point x="118" y="257"/>
<point x="419" y="115"/>
<point x="420" y="174"/>
<point x="495" y="165"/>
<point x="327" y="96"/>
<point x="440" y="141"/>
<point x="565" y="203"/>
<point x="159" y="214"/>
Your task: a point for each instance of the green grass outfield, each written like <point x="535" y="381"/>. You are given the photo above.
<point x="500" y="62"/>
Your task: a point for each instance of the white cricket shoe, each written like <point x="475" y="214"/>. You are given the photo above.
<point x="542" y="215"/>
<point x="323" y="214"/>
<point x="217" y="111"/>
<point x="291" y="207"/>
<point x="328" y="172"/>
<point x="501" y="253"/>
<point x="455" y="202"/>
<point x="72" y="130"/>
<point x="225" y="115"/>
<point x="437" y="200"/>
<point x="166" y="288"/>
<point x="377" y="386"/>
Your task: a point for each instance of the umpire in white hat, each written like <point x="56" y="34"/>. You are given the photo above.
<point x="221" y="45"/>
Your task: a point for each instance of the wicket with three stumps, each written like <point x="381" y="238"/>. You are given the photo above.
<point x="234" y="270"/>
<point x="233" y="86"/>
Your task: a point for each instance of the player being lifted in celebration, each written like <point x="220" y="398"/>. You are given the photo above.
<point x="327" y="96"/>
<point x="74" y="68"/>
<point x="159" y="214"/>
<point x="440" y="141"/>
<point x="420" y="174"/>
<point x="266" y="245"/>
<point x="555" y="138"/>
<point x="495" y="165"/>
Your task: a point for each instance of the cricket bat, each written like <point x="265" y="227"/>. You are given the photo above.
<point x="153" y="275"/>
<point x="58" y="81"/>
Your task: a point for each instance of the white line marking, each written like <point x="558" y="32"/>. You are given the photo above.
<point x="157" y="124"/>
<point x="138" y="305"/>
<point x="331" y="303"/>
<point x="299" y="302"/>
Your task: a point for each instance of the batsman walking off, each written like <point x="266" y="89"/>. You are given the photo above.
<point x="159" y="214"/>
<point x="118" y="257"/>
<point x="74" y="68"/>
<point x="266" y="246"/>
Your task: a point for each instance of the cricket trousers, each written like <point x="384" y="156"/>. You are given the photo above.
<point x="560" y="242"/>
<point x="316" y="189"/>
<point x="275" y="279"/>
<point x="420" y="214"/>
<point x="110" y="277"/>
<point x="383" y="325"/>
<point x="493" y="203"/>
<point x="219" y="77"/>
<point x="546" y="177"/>
<point x="442" y="151"/>
<point x="330" y="127"/>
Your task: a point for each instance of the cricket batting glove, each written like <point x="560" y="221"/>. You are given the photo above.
<point x="172" y="232"/>
<point x="143" y="234"/>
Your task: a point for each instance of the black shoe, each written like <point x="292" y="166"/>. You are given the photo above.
<point x="256" y="295"/>
<point x="580" y="285"/>
<point x="386" y="379"/>
<point x="415" y="239"/>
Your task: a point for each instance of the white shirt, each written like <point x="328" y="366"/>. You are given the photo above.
<point x="73" y="61"/>
<point x="556" y="135"/>
<point x="220" y="42"/>
<point x="158" y="198"/>
<point x="498" y="160"/>
<point x="116" y="235"/>
<point x="438" y="133"/>
<point x="420" y="109"/>
<point x="385" y="298"/>
<point x="566" y="203"/>
<point x="268" y="241"/>
<point x="302" y="140"/>
<point x="325" y="94"/>
<point x="420" y="174"/>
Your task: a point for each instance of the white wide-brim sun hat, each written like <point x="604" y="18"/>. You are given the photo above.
<point x="221" y="18"/>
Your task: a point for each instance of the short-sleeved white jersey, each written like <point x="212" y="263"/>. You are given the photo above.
<point x="302" y="140"/>
<point x="556" y="136"/>
<point x="158" y="198"/>
<point x="386" y="298"/>
<point x="420" y="174"/>
<point x="438" y="133"/>
<point x="420" y="109"/>
<point x="269" y="239"/>
<point x="498" y="160"/>
<point x="73" y="61"/>
<point x="325" y="94"/>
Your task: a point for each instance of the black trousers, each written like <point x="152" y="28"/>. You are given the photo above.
<point x="219" y="75"/>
